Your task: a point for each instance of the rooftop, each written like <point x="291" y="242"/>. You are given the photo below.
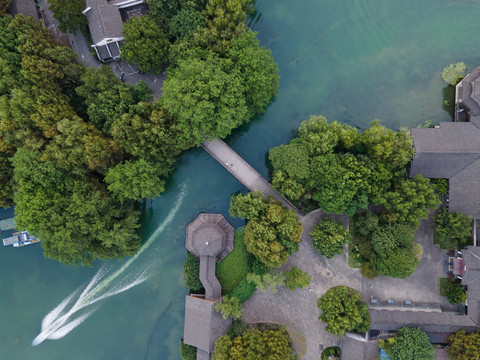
<point x="451" y="151"/>
<point x="203" y="324"/>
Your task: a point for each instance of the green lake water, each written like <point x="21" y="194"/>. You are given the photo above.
<point x="350" y="60"/>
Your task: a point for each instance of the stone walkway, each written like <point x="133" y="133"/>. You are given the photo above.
<point x="298" y="310"/>
<point x="243" y="172"/>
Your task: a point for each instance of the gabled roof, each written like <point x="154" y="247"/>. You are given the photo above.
<point x="451" y="151"/>
<point x="470" y="91"/>
<point x="358" y="350"/>
<point x="203" y="324"/>
<point x="104" y="22"/>
<point x="24" y="7"/>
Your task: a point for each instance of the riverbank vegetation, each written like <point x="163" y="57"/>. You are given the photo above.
<point x="79" y="148"/>
<point x="340" y="170"/>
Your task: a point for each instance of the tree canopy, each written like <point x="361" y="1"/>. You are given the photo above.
<point x="272" y="232"/>
<point x="343" y="310"/>
<point x="464" y="346"/>
<point x="452" y="230"/>
<point x="146" y="45"/>
<point x="254" y="344"/>
<point x="69" y="14"/>
<point x="329" y="236"/>
<point x="411" y="344"/>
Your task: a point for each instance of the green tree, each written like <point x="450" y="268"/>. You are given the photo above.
<point x="257" y="69"/>
<point x="453" y="73"/>
<point x="105" y="96"/>
<point x="77" y="219"/>
<point x="292" y="160"/>
<point x="329" y="236"/>
<point x="397" y="263"/>
<point x="452" y="290"/>
<point x="5" y="7"/>
<point x="136" y="180"/>
<point x="224" y="20"/>
<point x="465" y="346"/>
<point x="191" y="270"/>
<point x="187" y="352"/>
<point x="411" y="200"/>
<point x="146" y="45"/>
<point x="270" y="280"/>
<point x="365" y="223"/>
<point x="296" y="278"/>
<point x="412" y="344"/>
<point x="254" y="344"/>
<point x="206" y="96"/>
<point x="185" y="23"/>
<point x="343" y="310"/>
<point x="272" y="232"/>
<point x="229" y="306"/>
<point x="452" y="230"/>
<point x="69" y="14"/>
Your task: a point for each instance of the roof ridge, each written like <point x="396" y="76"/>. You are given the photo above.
<point x="470" y="163"/>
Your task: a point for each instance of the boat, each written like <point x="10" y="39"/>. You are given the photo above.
<point x="20" y="239"/>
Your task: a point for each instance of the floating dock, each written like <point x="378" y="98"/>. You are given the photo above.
<point x="20" y="239"/>
<point x="7" y="224"/>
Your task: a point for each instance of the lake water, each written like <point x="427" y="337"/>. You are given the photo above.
<point x="352" y="61"/>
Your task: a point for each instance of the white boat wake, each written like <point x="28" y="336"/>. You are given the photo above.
<point x="59" y="322"/>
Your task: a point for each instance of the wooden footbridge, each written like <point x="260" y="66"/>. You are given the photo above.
<point x="244" y="173"/>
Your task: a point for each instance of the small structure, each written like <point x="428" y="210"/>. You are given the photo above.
<point x="7" y="224"/>
<point x="20" y="239"/>
<point x="358" y="349"/>
<point x="210" y="238"/>
<point x="467" y="97"/>
<point x="105" y="20"/>
<point x="25" y="7"/>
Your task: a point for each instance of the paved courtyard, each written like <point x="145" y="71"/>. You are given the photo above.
<point x="423" y="286"/>
<point x="297" y="310"/>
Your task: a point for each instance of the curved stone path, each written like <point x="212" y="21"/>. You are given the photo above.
<point x="298" y="310"/>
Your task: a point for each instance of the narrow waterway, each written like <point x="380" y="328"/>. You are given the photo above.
<point x="350" y="60"/>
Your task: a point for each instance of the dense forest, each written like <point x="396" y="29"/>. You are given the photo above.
<point x="79" y="148"/>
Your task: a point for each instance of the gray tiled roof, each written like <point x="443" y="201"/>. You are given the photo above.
<point x="470" y="86"/>
<point x="358" y="350"/>
<point x="203" y="325"/>
<point x="104" y="22"/>
<point x="25" y="7"/>
<point x="451" y="151"/>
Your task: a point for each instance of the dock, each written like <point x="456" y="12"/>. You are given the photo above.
<point x="7" y="224"/>
<point x="243" y="172"/>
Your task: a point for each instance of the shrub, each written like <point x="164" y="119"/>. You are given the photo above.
<point x="256" y="344"/>
<point x="368" y="271"/>
<point x="452" y="230"/>
<point x="411" y="344"/>
<point x="329" y="236"/>
<point x="453" y="73"/>
<point x="270" y="280"/>
<point x="452" y="290"/>
<point x="244" y="290"/>
<point x="399" y="263"/>
<point x="233" y="268"/>
<point x="187" y="352"/>
<point x="465" y="346"/>
<point x="441" y="185"/>
<point x="365" y="223"/>
<point x="343" y="310"/>
<point x="296" y="278"/>
<point x="230" y="306"/>
<point x="237" y="328"/>
<point x="191" y="269"/>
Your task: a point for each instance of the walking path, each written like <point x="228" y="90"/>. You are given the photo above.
<point x="297" y="310"/>
<point x="244" y="173"/>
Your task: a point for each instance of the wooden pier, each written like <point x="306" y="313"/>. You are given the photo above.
<point x="244" y="173"/>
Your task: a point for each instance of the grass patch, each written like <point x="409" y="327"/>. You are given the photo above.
<point x="233" y="268"/>
<point x="330" y="351"/>
<point x="443" y="286"/>
<point x="354" y="258"/>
